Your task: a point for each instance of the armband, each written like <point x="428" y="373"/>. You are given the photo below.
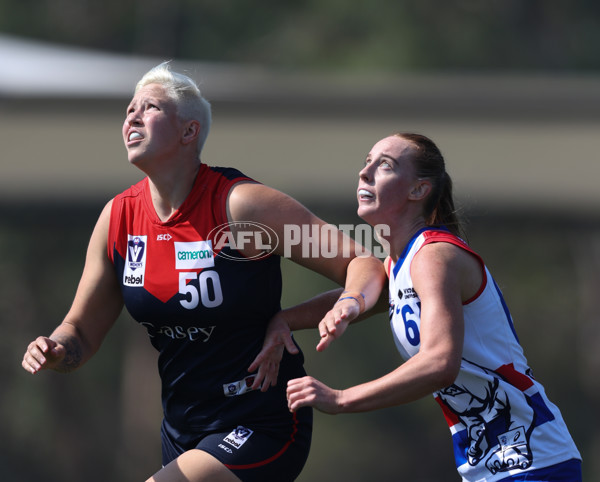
<point x="356" y="296"/>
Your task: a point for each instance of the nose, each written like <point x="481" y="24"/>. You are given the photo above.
<point x="133" y="118"/>
<point x="365" y="172"/>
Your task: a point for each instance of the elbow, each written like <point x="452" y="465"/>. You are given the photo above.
<point x="448" y="378"/>
<point x="445" y="372"/>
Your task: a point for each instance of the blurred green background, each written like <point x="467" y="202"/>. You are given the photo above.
<point x="300" y="91"/>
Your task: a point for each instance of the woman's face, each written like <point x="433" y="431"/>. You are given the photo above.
<point x="386" y="181"/>
<point x="152" y="128"/>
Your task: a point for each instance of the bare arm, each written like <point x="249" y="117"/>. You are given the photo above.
<point x="444" y="276"/>
<point x="362" y="277"/>
<point x="96" y="306"/>
<point x="333" y="255"/>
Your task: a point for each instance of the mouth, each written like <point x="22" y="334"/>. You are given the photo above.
<point x="134" y="136"/>
<point x="364" y="195"/>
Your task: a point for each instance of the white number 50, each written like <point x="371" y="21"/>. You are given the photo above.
<point x="209" y="297"/>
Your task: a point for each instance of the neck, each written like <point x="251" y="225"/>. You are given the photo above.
<point x="169" y="189"/>
<point x="400" y="235"/>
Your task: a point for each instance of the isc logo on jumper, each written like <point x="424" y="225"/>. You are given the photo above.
<point x="135" y="262"/>
<point x="194" y="255"/>
<point x="238" y="436"/>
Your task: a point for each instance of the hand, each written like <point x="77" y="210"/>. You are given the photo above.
<point x="310" y="392"/>
<point x="277" y="337"/>
<point x="335" y="322"/>
<point x="43" y="353"/>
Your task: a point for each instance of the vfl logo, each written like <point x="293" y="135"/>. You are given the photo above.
<point x="238" y="436"/>
<point x="135" y="264"/>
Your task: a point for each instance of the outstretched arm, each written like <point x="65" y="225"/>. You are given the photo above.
<point x="96" y="306"/>
<point x="444" y="276"/>
<point x="361" y="276"/>
<point x="305" y="315"/>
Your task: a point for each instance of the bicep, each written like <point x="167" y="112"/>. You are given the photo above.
<point x="302" y="236"/>
<point x="98" y="300"/>
<point x="436" y="276"/>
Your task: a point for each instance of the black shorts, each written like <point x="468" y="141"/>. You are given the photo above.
<point x="251" y="454"/>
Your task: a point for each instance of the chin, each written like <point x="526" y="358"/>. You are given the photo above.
<point x="134" y="160"/>
<point x="371" y="216"/>
<point x="364" y="213"/>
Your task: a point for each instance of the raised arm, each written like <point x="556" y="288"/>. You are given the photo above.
<point x="444" y="276"/>
<point x="333" y="255"/>
<point x="97" y="304"/>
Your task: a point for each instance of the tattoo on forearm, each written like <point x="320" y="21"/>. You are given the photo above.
<point x="73" y="354"/>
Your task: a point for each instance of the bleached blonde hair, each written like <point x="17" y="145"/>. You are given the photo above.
<point x="186" y="94"/>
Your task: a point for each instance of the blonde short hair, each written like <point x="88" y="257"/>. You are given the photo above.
<point x="186" y="94"/>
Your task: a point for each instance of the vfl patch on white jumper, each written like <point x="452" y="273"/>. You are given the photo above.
<point x="135" y="262"/>
<point x="238" y="436"/>
<point x="194" y="255"/>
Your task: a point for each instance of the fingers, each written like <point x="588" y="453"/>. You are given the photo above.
<point x="257" y="361"/>
<point x="267" y="364"/>
<point x="324" y="343"/>
<point x="298" y="395"/>
<point x="290" y="346"/>
<point x="266" y="376"/>
<point x="334" y="324"/>
<point x="38" y="354"/>
<point x="268" y="360"/>
<point x="309" y="392"/>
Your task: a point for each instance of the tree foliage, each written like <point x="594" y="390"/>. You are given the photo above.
<point x="386" y="35"/>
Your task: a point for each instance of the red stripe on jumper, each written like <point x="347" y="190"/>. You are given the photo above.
<point x="515" y="378"/>
<point x="451" y="418"/>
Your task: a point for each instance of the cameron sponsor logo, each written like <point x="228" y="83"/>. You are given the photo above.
<point x="194" y="255"/>
<point x="253" y="237"/>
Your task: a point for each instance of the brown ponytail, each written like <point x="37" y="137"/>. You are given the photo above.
<point x="429" y="164"/>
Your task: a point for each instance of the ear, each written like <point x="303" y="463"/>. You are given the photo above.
<point x="191" y="131"/>
<point x="420" y="190"/>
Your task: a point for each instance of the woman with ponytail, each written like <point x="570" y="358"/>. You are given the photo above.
<point x="451" y="325"/>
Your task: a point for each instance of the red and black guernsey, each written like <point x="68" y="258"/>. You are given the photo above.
<point x="205" y="310"/>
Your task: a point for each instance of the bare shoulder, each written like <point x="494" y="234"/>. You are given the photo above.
<point x="106" y="211"/>
<point x="438" y="264"/>
<point x="445" y="254"/>
<point x="251" y="201"/>
<point x="103" y="223"/>
<point x="439" y="256"/>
